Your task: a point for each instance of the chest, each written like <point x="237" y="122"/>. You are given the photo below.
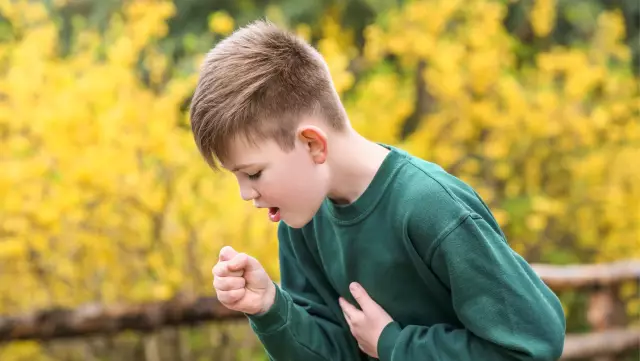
<point x="378" y="259"/>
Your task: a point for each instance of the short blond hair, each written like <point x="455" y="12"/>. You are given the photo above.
<point x="258" y="83"/>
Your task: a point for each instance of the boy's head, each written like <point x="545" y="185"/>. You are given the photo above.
<point x="266" y="97"/>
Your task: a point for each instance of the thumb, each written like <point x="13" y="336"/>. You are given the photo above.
<point x="243" y="261"/>
<point x="227" y="253"/>
<point x="239" y="262"/>
<point x="361" y="296"/>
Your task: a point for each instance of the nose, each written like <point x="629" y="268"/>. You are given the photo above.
<point x="247" y="192"/>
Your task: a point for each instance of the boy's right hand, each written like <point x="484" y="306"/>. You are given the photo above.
<point x="241" y="283"/>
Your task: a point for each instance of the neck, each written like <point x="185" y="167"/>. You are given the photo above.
<point x="353" y="162"/>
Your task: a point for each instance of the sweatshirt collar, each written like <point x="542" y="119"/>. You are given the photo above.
<point x="363" y="205"/>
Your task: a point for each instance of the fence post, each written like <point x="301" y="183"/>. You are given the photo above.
<point x="605" y="311"/>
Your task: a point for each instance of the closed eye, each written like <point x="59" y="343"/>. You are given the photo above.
<point x="255" y="175"/>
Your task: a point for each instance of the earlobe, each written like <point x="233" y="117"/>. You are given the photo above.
<point x="315" y="140"/>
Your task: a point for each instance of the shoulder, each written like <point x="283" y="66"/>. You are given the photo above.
<point x="434" y="202"/>
<point x="426" y="189"/>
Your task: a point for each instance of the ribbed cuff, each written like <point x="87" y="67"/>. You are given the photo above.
<point x="274" y="318"/>
<point x="387" y="340"/>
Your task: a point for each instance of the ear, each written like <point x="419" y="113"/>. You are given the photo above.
<point x="315" y="141"/>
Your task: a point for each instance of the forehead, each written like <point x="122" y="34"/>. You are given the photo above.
<point x="241" y="151"/>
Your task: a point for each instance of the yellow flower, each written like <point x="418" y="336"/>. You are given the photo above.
<point x="543" y="16"/>
<point x="221" y="22"/>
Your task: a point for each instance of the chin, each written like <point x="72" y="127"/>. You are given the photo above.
<point x="300" y="218"/>
<point x="297" y="222"/>
<point x="294" y="224"/>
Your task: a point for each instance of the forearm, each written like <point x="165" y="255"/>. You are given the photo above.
<point x="507" y="311"/>
<point x="442" y="343"/>
<point x="289" y="332"/>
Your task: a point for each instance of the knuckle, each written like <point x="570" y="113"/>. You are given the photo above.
<point x="222" y="297"/>
<point x="234" y="295"/>
<point x="218" y="283"/>
<point x="220" y="269"/>
<point x="229" y="283"/>
<point x="236" y="273"/>
<point x="243" y="258"/>
<point x="227" y="297"/>
<point x="234" y="264"/>
<point x="217" y="270"/>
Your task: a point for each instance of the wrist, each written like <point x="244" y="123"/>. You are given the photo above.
<point x="269" y="299"/>
<point x="275" y="317"/>
<point x="387" y="341"/>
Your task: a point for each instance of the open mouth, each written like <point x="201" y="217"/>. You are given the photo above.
<point x="274" y="214"/>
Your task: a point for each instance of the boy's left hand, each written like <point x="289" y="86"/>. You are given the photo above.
<point x="366" y="325"/>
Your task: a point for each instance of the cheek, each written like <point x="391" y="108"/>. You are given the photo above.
<point x="298" y="183"/>
<point x="305" y="190"/>
<point x="289" y="186"/>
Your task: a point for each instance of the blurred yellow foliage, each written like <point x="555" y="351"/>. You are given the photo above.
<point x="221" y="22"/>
<point x="546" y="146"/>
<point x="543" y="16"/>
<point x="104" y="197"/>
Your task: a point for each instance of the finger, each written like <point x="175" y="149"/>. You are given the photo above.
<point x="341" y="302"/>
<point x="239" y="262"/>
<point x="349" y="323"/>
<point x="228" y="283"/>
<point x="252" y="264"/>
<point x="230" y="297"/>
<point x="352" y="329"/>
<point x="346" y="317"/>
<point x="351" y="312"/>
<point x="227" y="253"/>
<point x="221" y="269"/>
<point x="361" y="296"/>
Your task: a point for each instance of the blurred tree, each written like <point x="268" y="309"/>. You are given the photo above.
<point x="571" y="22"/>
<point x="568" y="23"/>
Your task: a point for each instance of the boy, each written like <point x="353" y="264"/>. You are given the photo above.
<point x="383" y="255"/>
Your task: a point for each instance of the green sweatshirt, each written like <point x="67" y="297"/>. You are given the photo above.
<point x="428" y="250"/>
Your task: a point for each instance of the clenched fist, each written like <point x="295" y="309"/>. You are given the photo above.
<point x="241" y="283"/>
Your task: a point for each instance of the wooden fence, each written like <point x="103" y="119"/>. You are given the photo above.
<point x="610" y="334"/>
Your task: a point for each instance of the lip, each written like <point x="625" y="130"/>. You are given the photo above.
<point x="266" y="207"/>
<point x="274" y="214"/>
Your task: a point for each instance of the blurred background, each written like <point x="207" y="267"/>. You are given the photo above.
<point x="104" y="197"/>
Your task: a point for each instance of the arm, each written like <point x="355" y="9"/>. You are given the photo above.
<point x="299" y="325"/>
<point x="508" y="312"/>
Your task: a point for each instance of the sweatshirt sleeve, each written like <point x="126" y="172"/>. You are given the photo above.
<point x="507" y="311"/>
<point x="300" y="326"/>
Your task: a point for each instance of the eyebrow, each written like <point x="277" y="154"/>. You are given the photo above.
<point x="241" y="166"/>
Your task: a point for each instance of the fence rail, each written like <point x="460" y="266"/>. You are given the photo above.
<point x="610" y="335"/>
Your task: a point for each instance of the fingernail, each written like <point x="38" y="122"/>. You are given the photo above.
<point x="354" y="287"/>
